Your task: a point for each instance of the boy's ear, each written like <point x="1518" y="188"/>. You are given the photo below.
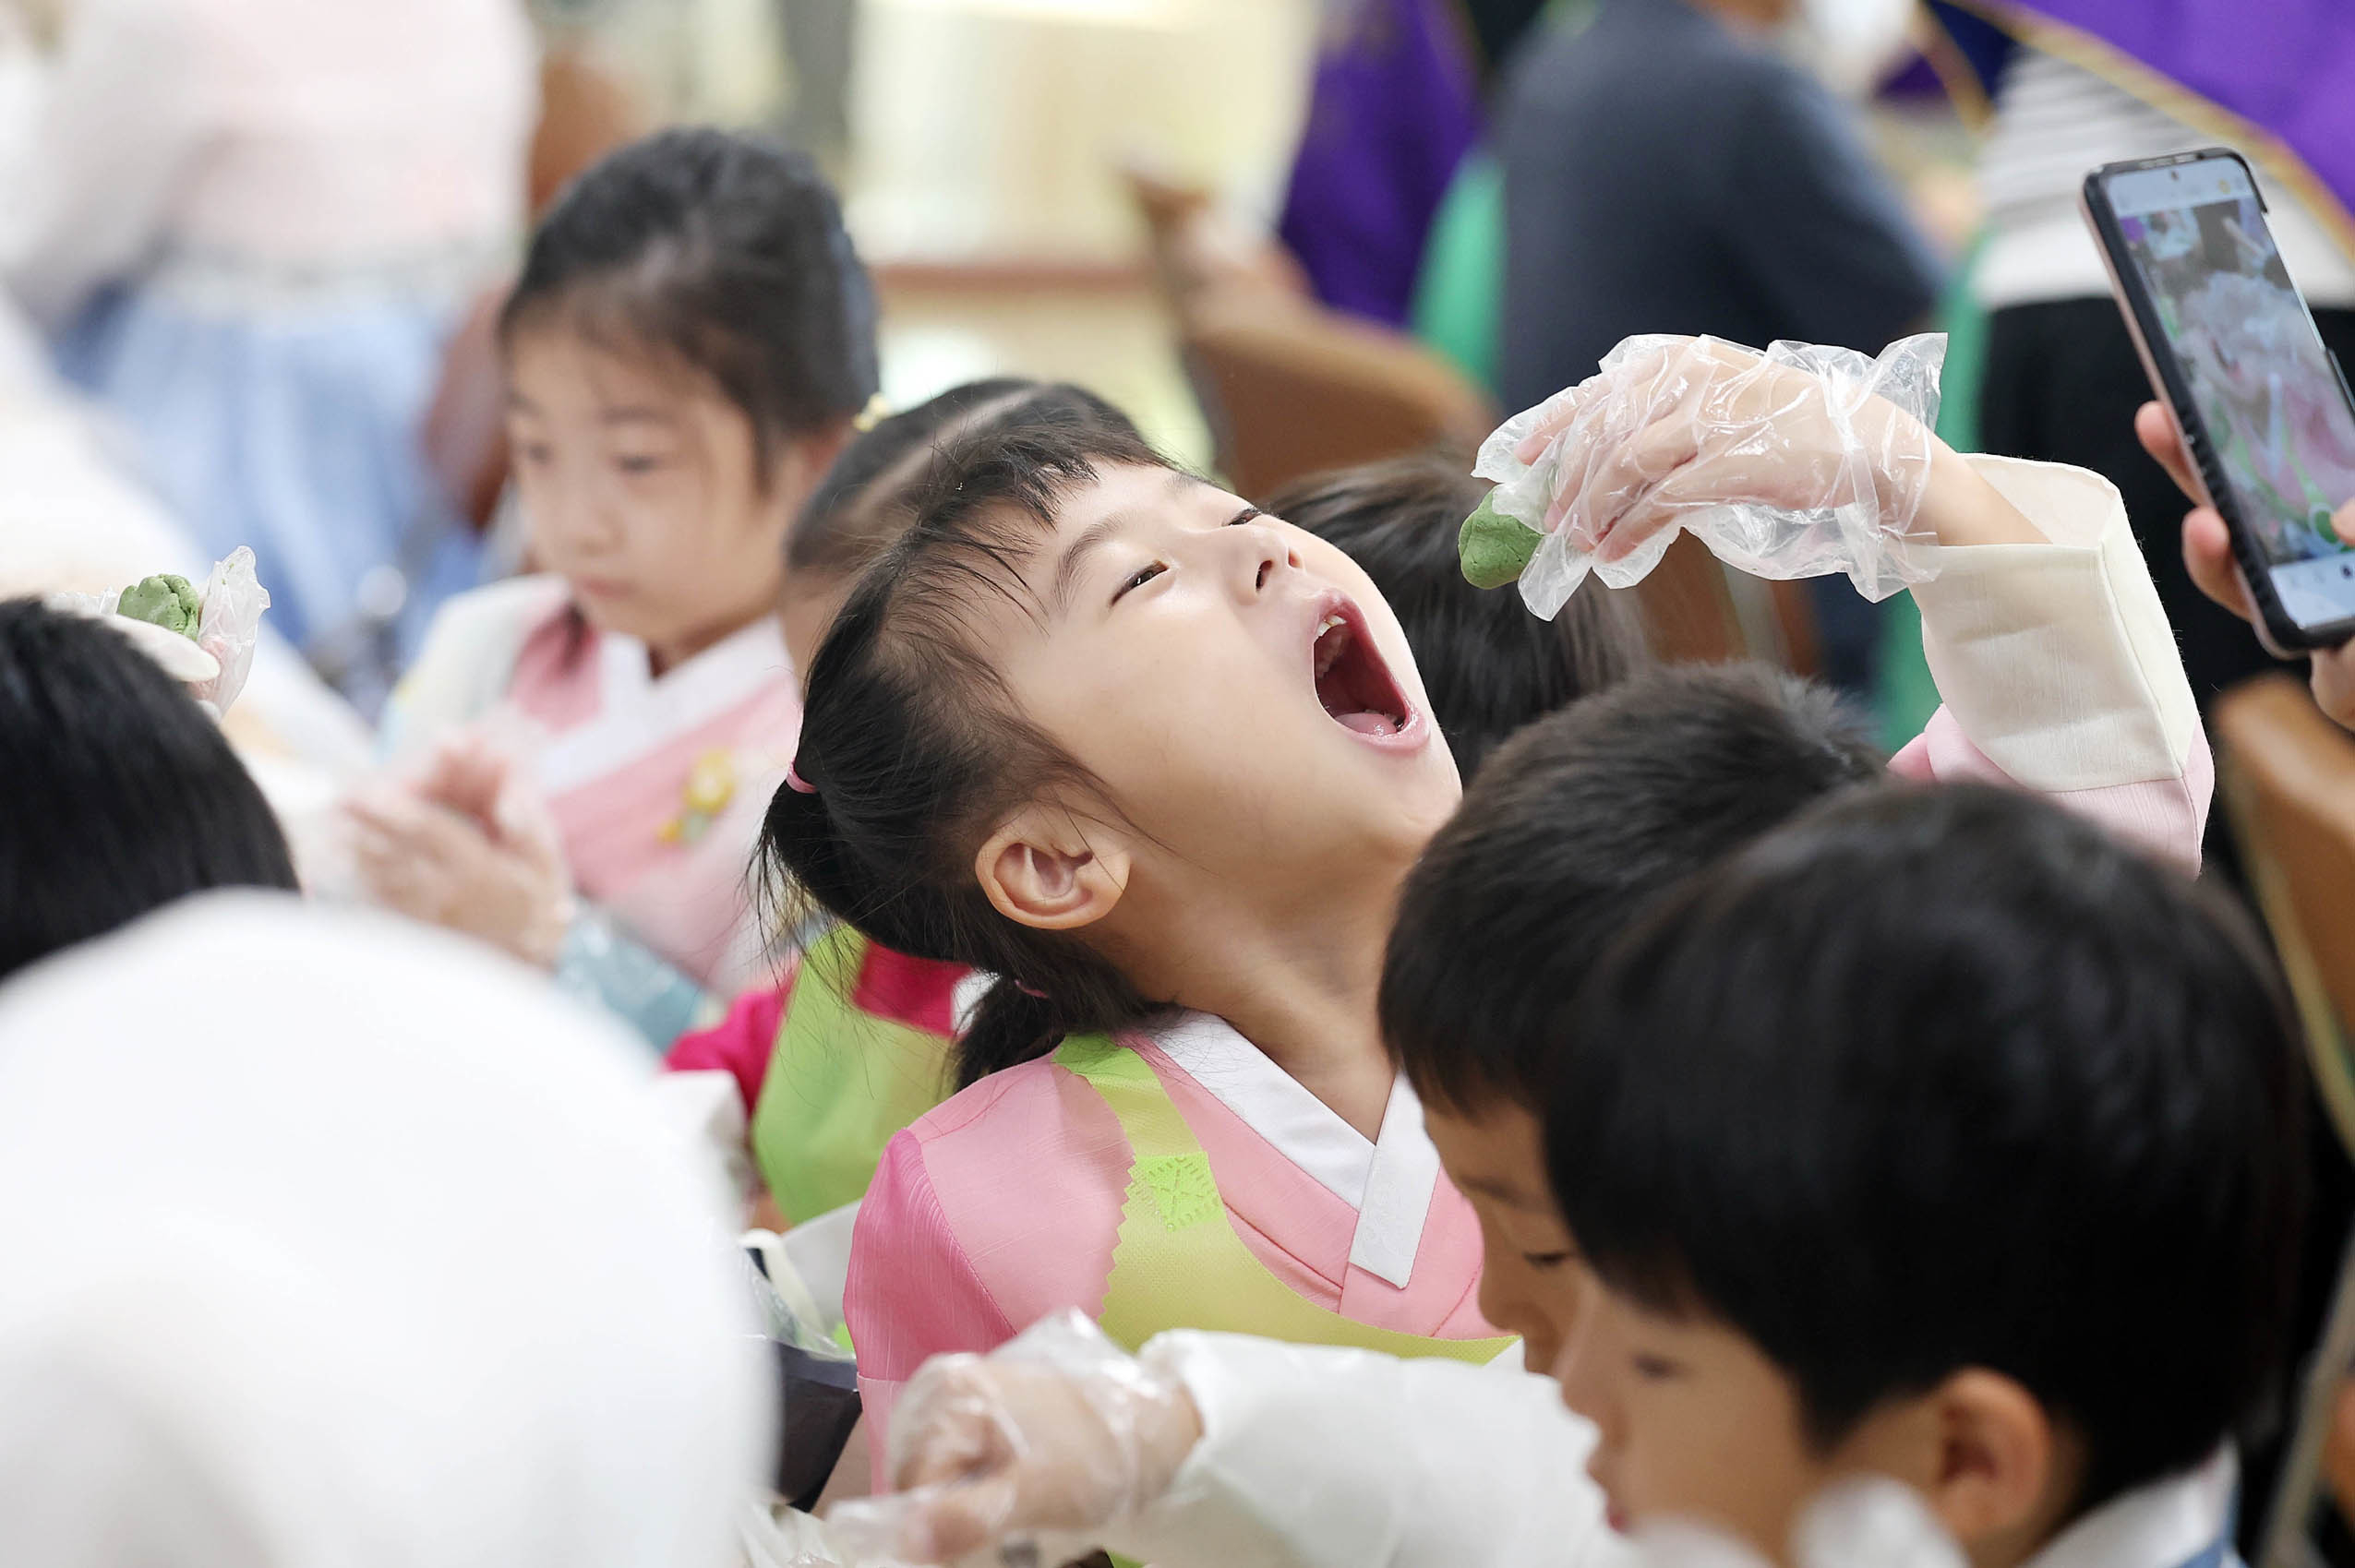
<point x="1045" y="869"/>
<point x="1998" y="1471"/>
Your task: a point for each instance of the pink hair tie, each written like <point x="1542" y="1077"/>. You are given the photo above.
<point x="795" y="782"/>
<point x="1029" y="991"/>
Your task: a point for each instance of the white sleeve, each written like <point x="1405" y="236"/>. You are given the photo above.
<point x="117" y="123"/>
<point x="2057" y="659"/>
<point x="1319" y="1458"/>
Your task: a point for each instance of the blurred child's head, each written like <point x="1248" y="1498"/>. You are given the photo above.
<point x="1490" y="666"/>
<point x="1573" y="828"/>
<point x="686" y="348"/>
<point x="119" y="794"/>
<point x="1937" y="1136"/>
<point x="1091" y="716"/>
<point x="864" y="503"/>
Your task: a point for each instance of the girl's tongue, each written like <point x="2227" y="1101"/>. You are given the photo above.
<point x="1353" y="684"/>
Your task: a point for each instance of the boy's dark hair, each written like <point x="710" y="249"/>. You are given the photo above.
<point x="1572" y="828"/>
<point x="725" y="253"/>
<point x="914" y="753"/>
<point x="1939" y="1078"/>
<point x="118" y="795"/>
<point x="1488" y="664"/>
<point x="866" y="500"/>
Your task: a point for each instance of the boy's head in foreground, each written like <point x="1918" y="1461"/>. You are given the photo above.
<point x="1571" y="830"/>
<point x="1936" y="1136"/>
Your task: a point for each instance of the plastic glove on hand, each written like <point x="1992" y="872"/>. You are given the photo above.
<point x="1797" y="463"/>
<point x="1055" y="1435"/>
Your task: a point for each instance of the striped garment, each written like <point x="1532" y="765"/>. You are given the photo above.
<point x="2055" y="122"/>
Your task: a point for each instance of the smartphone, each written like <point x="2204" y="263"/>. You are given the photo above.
<point x="2261" y="403"/>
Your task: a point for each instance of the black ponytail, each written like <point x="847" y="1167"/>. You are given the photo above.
<point x="912" y="753"/>
<point x="726" y="253"/>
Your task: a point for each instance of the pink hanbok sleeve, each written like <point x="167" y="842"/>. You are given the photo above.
<point x="912" y="1291"/>
<point x="2059" y="670"/>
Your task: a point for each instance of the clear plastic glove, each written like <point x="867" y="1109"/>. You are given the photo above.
<point x="230" y="625"/>
<point x="1797" y="463"/>
<point x="468" y="845"/>
<point x="1049" y="1439"/>
<point x="213" y="659"/>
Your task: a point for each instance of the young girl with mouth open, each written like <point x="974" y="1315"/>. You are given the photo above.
<point x="1161" y="763"/>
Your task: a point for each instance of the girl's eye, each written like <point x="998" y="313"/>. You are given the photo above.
<point x="536" y="452"/>
<point x="638" y="464"/>
<point x="1246" y="515"/>
<point x="1654" y="1369"/>
<point x="1139" y="580"/>
<point x="1545" y="1260"/>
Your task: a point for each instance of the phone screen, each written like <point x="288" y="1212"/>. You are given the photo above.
<point x="2258" y="374"/>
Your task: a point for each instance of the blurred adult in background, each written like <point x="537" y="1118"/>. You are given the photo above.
<point x="72" y="520"/>
<point x="1498" y="26"/>
<point x="1393" y="109"/>
<point x="2062" y="380"/>
<point x="333" y="1241"/>
<point x="247" y="227"/>
<point x="1666" y="170"/>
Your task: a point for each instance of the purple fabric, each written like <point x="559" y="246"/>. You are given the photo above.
<point x="2282" y="64"/>
<point x="1394" y="108"/>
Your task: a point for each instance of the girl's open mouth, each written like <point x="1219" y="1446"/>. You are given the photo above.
<point x="1353" y="681"/>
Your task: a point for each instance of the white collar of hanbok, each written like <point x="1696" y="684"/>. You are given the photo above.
<point x="1388" y="1180"/>
<point x="2163" y="1524"/>
<point x="638" y="712"/>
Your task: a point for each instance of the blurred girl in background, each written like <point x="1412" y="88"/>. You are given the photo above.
<point x="248" y="227"/>
<point x="690" y="346"/>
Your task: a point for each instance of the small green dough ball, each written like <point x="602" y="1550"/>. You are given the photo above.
<point x="166" y="600"/>
<point x="1494" y="547"/>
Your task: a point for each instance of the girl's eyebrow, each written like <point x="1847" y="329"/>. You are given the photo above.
<point x="1108" y="528"/>
<point x="1097" y="533"/>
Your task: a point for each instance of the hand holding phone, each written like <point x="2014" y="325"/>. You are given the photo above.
<point x="2259" y="410"/>
<point x="2207" y="555"/>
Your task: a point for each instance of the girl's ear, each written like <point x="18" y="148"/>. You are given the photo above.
<point x="1046" y="869"/>
<point x="804" y="459"/>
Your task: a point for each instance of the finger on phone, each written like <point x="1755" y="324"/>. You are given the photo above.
<point x="2207" y="557"/>
<point x="2156" y="430"/>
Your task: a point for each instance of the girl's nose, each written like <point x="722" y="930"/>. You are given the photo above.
<point x="1263" y="556"/>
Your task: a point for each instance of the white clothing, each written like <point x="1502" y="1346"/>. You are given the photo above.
<point x="2055" y="123"/>
<point x="338" y="1242"/>
<point x="2058" y="658"/>
<point x="1331" y="1458"/>
<point x="291" y="142"/>
<point x="1318" y="1457"/>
